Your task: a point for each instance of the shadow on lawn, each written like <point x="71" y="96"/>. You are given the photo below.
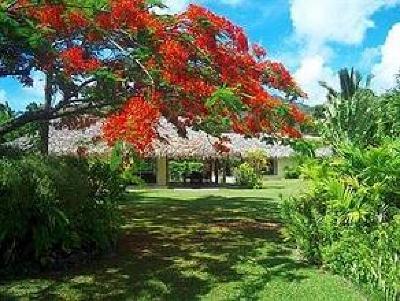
<point x="179" y="250"/>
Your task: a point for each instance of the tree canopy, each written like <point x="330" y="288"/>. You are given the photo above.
<point x="122" y="59"/>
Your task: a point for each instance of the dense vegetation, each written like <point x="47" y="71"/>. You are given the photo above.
<point x="349" y="219"/>
<point x="53" y="207"/>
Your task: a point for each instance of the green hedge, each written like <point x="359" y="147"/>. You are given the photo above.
<point x="56" y="205"/>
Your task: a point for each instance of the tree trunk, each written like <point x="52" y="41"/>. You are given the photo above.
<point x="45" y="124"/>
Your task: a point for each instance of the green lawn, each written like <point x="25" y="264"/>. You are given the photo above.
<point x="194" y="245"/>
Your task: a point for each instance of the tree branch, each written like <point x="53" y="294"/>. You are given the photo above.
<point x="54" y="113"/>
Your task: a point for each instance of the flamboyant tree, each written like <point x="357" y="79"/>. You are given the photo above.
<point x="194" y="69"/>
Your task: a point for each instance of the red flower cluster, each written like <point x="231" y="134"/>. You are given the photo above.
<point x="258" y="51"/>
<point x="290" y="132"/>
<point x="58" y="18"/>
<point x="77" y="20"/>
<point x="75" y="62"/>
<point x="175" y="56"/>
<point x="278" y="76"/>
<point x="50" y="15"/>
<point x="128" y="14"/>
<point x="136" y="124"/>
<point x="298" y="116"/>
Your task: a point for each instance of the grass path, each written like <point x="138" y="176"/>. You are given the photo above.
<point x="195" y="245"/>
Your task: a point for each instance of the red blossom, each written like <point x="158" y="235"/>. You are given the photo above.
<point x="75" y="62"/>
<point x="258" y="51"/>
<point x="77" y="20"/>
<point x="298" y="116"/>
<point x="135" y="123"/>
<point x="290" y="132"/>
<point x="50" y="15"/>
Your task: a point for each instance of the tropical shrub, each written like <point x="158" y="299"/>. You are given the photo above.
<point x="348" y="220"/>
<point x="357" y="114"/>
<point x="293" y="172"/>
<point x="388" y="114"/>
<point x="257" y="158"/>
<point x="352" y="119"/>
<point x="56" y="205"/>
<point x="306" y="151"/>
<point x="247" y="177"/>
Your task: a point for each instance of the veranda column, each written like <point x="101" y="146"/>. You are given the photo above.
<point x="216" y="171"/>
<point x="162" y="171"/>
<point x="224" y="166"/>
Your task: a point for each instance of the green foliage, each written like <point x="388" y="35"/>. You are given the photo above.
<point x="389" y="115"/>
<point x="257" y="159"/>
<point x="225" y="98"/>
<point x="127" y="163"/>
<point x="179" y="169"/>
<point x="53" y="205"/>
<point x="357" y="115"/>
<point x="305" y="150"/>
<point x="246" y="176"/>
<point x="28" y="131"/>
<point x="222" y="99"/>
<point x="352" y="119"/>
<point x="249" y="174"/>
<point x="348" y="220"/>
<point x="293" y="172"/>
<point x="305" y="147"/>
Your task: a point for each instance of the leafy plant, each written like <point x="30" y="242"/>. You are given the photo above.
<point x="246" y="176"/>
<point x="56" y="205"/>
<point x="352" y="119"/>
<point x="348" y="220"/>
<point x="257" y="159"/>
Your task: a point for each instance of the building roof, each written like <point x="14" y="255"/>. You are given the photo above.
<point x="198" y="144"/>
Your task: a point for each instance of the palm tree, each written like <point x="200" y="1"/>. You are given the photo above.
<point x="350" y="112"/>
<point x="350" y="83"/>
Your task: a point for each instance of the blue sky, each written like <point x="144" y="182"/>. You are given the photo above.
<point x="313" y="38"/>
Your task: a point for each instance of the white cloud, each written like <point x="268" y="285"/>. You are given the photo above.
<point x="389" y="65"/>
<point x="343" y="21"/>
<point x="368" y="58"/>
<point x="319" y="23"/>
<point x="311" y="71"/>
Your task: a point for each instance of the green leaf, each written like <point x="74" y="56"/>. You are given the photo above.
<point x="225" y="98"/>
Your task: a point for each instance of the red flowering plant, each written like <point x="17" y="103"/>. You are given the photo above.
<point x="195" y="69"/>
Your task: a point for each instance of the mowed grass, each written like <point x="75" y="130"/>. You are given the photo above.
<point x="194" y="245"/>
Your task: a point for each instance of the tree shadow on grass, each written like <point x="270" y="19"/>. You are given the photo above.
<point x="179" y="250"/>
